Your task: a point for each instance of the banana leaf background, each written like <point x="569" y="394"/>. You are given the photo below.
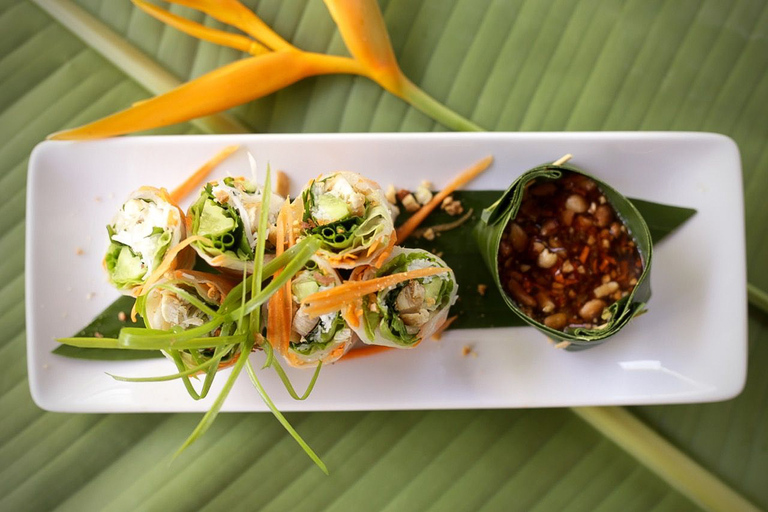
<point x="518" y="65"/>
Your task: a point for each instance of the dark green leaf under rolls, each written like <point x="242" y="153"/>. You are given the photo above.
<point x="495" y="218"/>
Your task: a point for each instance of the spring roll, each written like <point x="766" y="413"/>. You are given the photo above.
<point x="227" y="213"/>
<point x="351" y="215"/>
<point x="147" y="225"/>
<point x="174" y="303"/>
<point x="402" y="315"/>
<point x="325" y="338"/>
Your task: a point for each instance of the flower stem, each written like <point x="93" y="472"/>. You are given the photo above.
<point x="757" y="297"/>
<point x="434" y="109"/>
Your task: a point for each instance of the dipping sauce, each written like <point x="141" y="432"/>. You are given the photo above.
<point x="567" y="256"/>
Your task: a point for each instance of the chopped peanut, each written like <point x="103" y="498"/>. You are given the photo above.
<point x="391" y="194"/>
<point x="410" y="203"/>
<point x="423" y="195"/>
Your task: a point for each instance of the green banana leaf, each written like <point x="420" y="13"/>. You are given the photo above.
<point x="508" y="65"/>
<point x="495" y="219"/>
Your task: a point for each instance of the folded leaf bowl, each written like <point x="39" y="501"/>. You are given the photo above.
<point x="495" y="219"/>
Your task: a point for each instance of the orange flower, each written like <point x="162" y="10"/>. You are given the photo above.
<point x="275" y="64"/>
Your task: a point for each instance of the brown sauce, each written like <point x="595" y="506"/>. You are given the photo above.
<point x="567" y="256"/>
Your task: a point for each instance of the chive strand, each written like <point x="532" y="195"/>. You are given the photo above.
<point x="284" y="422"/>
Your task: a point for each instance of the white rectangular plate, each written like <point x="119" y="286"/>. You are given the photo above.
<point x="690" y="346"/>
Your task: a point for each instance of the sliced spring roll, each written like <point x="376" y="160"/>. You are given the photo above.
<point x="351" y="215"/>
<point x="402" y="315"/>
<point x="325" y="338"/>
<point x="174" y="303"/>
<point x="227" y="214"/>
<point x="147" y="225"/>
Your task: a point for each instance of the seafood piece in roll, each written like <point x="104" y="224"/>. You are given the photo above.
<point x="316" y="338"/>
<point x="145" y="228"/>
<point x="352" y="217"/>
<point x="401" y="316"/>
<point x="185" y="299"/>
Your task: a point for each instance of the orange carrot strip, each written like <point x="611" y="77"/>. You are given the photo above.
<point x="272" y="320"/>
<point x="275" y="308"/>
<point x="439" y="332"/>
<point x="194" y="181"/>
<point x="385" y="254"/>
<point x="351" y="316"/>
<point x="584" y="254"/>
<point x="335" y="353"/>
<point x="287" y="305"/>
<point x="372" y="248"/>
<point x="335" y="298"/>
<point x="462" y="179"/>
<point x="366" y="351"/>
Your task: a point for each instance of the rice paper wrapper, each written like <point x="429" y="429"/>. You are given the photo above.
<point x="244" y="208"/>
<point x="436" y="319"/>
<point x="337" y="347"/>
<point x="211" y="288"/>
<point x="375" y="234"/>
<point x="175" y="231"/>
<point x="495" y="218"/>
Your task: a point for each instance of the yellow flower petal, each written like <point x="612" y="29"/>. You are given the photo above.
<point x="237" y="15"/>
<point x="226" y="87"/>
<point x="365" y="34"/>
<point x="236" y="41"/>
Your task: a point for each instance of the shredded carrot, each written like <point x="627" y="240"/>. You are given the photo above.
<point x="372" y="248"/>
<point x="293" y="360"/>
<point x="287" y="301"/>
<point x="199" y="175"/>
<point x="351" y="316"/>
<point x="336" y="353"/>
<point x="604" y="265"/>
<point x="462" y="179"/>
<point x="273" y="320"/>
<point x="385" y="254"/>
<point x="275" y="309"/>
<point x="439" y="332"/>
<point x="366" y="351"/>
<point x="584" y="254"/>
<point x="334" y="299"/>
